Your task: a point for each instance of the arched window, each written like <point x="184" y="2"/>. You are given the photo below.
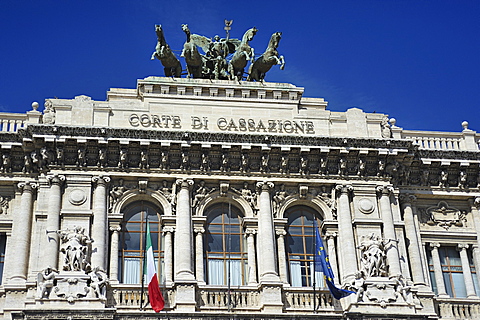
<point x="133" y="235"/>
<point x="301" y="245"/>
<point x="225" y="251"/>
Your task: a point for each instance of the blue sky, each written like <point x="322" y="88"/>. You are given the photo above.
<point x="417" y="61"/>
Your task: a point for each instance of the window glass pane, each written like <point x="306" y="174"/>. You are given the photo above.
<point x="459" y="285"/>
<point x="133" y="240"/>
<point x="223" y="242"/>
<point x="300" y="245"/>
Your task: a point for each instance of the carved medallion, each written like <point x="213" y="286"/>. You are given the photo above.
<point x="77" y="197"/>
<point x="366" y="205"/>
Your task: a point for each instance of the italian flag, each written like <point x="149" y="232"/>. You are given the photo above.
<point x="154" y="294"/>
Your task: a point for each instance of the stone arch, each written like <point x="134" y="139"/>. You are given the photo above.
<point x="231" y="197"/>
<point x="149" y="195"/>
<point x="318" y="205"/>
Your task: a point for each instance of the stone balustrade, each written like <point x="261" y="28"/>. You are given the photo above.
<point x="441" y="140"/>
<point x="464" y="309"/>
<point x="302" y="299"/>
<point x="11" y="122"/>
<point x="240" y="299"/>
<point x="129" y="297"/>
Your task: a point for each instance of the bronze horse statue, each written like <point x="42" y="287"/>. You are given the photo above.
<point x="270" y="57"/>
<point x="192" y="57"/>
<point x="244" y="53"/>
<point x="171" y="65"/>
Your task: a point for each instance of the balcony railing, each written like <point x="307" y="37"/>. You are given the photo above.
<point x="304" y="300"/>
<point x="130" y="297"/>
<point x="221" y="298"/>
<point x="464" y="309"/>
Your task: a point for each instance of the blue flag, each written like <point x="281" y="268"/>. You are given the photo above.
<point x="322" y="263"/>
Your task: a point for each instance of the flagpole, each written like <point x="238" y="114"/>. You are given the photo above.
<point x="144" y="262"/>
<point x="229" y="256"/>
<point x="314" y="273"/>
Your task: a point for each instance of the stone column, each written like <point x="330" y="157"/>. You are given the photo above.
<point x="20" y="238"/>
<point x="99" y="225"/>
<point x="467" y="274"/>
<point x="266" y="235"/>
<point x="475" y="254"/>
<point x="53" y="220"/>
<point x="168" y="232"/>
<point x="414" y="245"/>
<point x="199" y="273"/>
<point x="332" y="254"/>
<point x="345" y="233"/>
<point x="282" y="259"/>
<point x="114" y="253"/>
<point x="393" y="258"/>
<point x="183" y="233"/>
<point x="437" y="268"/>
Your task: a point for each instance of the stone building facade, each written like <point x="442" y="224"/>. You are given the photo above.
<point x="230" y="177"/>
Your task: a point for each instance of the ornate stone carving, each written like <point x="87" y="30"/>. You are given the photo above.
<point x="247" y="194"/>
<point x="48" y="113"/>
<point x="225" y="163"/>
<point x="4" y="204"/>
<point x="98" y="283"/>
<point x="444" y="216"/>
<point x="116" y="193"/>
<point x="201" y="193"/>
<point x="144" y="160"/>
<point x="81" y="157"/>
<point x="205" y="163"/>
<point x="279" y="198"/>
<point x="6" y="163"/>
<point x="264" y="163"/>
<point x="45" y="282"/>
<point x="373" y="261"/>
<point x="75" y="247"/>
<point x="168" y="193"/>
<point x="245" y="163"/>
<point x="123" y="159"/>
<point x="164" y="163"/>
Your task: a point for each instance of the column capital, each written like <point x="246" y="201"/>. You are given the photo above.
<point x="184" y="183"/>
<point x="384" y="190"/>
<point x="27" y="186"/>
<point x="343" y="188"/>
<point x="250" y="231"/>
<point x="115" y="228"/>
<point x="281" y="233"/>
<point x="265" y="185"/>
<point x="199" y="230"/>
<point x="104" y="180"/>
<point x="462" y="246"/>
<point x="56" y="179"/>
<point x="434" y="245"/>
<point x="407" y="198"/>
<point x="168" y="229"/>
<point x="331" y="234"/>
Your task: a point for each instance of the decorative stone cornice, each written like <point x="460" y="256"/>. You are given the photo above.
<point x="209" y="137"/>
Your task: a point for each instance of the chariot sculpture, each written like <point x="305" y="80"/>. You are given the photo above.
<point x="223" y="58"/>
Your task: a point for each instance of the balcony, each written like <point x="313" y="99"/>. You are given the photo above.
<point x="465" y="309"/>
